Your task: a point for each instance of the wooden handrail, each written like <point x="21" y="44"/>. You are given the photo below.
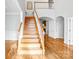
<point x="39" y="21"/>
<point x="40" y="30"/>
<point x="19" y="27"/>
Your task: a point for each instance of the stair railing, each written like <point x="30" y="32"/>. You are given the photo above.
<point x="40" y="30"/>
<point x="20" y="32"/>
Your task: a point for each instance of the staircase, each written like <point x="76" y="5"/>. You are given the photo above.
<point x="30" y="42"/>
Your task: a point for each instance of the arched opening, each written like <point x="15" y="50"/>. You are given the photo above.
<point x="60" y="27"/>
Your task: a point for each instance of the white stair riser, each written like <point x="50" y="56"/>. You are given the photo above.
<point x="31" y="29"/>
<point x="31" y="24"/>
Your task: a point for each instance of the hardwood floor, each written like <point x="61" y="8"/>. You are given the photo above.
<point x="55" y="49"/>
<point x="58" y="49"/>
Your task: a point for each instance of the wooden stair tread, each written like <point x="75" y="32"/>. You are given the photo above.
<point x="30" y="35"/>
<point x="25" y="48"/>
<point x="32" y="45"/>
<point x="30" y="31"/>
<point x="31" y="52"/>
<point x="30" y="40"/>
<point x="33" y="39"/>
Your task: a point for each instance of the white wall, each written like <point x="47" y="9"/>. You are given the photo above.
<point x="9" y="5"/>
<point x="12" y="18"/>
<point x="11" y="26"/>
<point x="11" y="22"/>
<point x="22" y="6"/>
<point x="12" y="6"/>
<point x="51" y="31"/>
<point x="68" y="31"/>
<point x="56" y="27"/>
<point x="46" y="13"/>
<point x="63" y="8"/>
